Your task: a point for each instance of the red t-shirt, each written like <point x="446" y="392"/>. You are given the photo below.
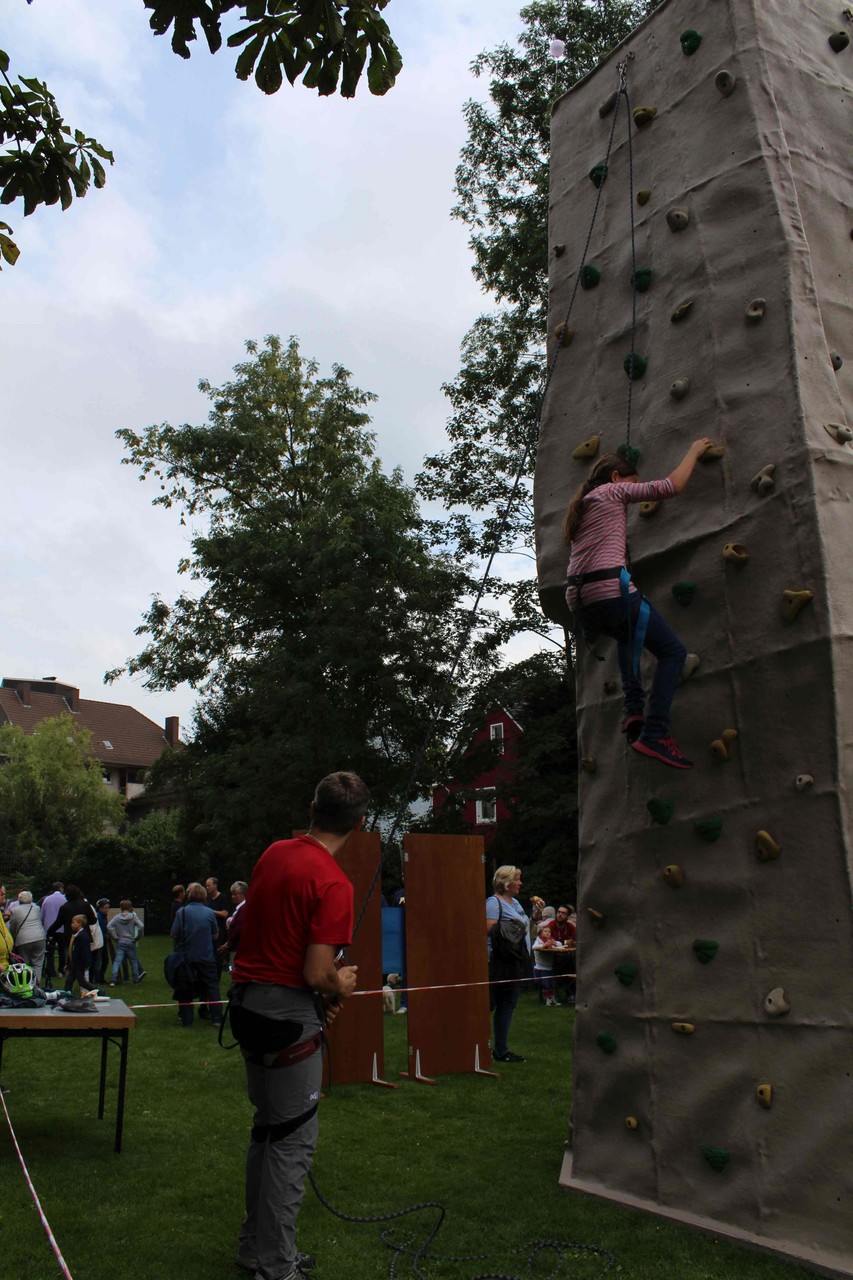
<point x="297" y="895"/>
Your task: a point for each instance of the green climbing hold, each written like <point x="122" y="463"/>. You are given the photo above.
<point x="626" y="973"/>
<point x="690" y="41"/>
<point x="606" y="1042"/>
<point x="661" y="810"/>
<point x="590" y="276"/>
<point x="598" y="174"/>
<point x="684" y="592"/>
<point x="635" y="365"/>
<point x="705" y="949"/>
<point x="709" y="829"/>
<point x="717" y="1158"/>
<point x="629" y="453"/>
<point x="642" y="279"/>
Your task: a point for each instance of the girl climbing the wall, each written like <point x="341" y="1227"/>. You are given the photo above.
<point x="606" y="602"/>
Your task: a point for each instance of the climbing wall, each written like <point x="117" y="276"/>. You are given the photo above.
<point x="714" y="1031"/>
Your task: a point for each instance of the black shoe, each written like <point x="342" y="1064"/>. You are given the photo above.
<point x="508" y="1057"/>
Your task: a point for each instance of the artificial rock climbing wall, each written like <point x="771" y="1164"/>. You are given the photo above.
<point x="714" y="1031"/>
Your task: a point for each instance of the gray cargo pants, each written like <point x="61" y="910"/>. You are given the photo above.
<point x="276" y="1168"/>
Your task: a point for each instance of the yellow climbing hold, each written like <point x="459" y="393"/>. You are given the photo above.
<point x="713" y="453"/>
<point x="644" y="196"/>
<point x="722" y="746"/>
<point x="766" y="847"/>
<point x="564" y="334"/>
<point x="803" y="781"/>
<point x="735" y="553"/>
<point x="682" y="310"/>
<point x="632" y="1123"/>
<point x="755" y="310"/>
<point x="674" y="875"/>
<point x="764" y="1094"/>
<point x="678" y="218"/>
<point x="684" y="1028"/>
<point x="589" y="764"/>
<point x="840" y="433"/>
<point x="610" y="686"/>
<point x="678" y="389"/>
<point x="794" y="601"/>
<point x="597" y="917"/>
<point x="764" y="481"/>
<point x="644" y="115"/>
<point x="776" y="1003"/>
<point x="588" y="449"/>
<point x="648" y="508"/>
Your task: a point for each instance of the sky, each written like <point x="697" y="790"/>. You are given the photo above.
<point x="227" y="216"/>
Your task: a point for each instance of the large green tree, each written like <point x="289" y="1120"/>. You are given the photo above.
<point x="52" y="795"/>
<point x="326" y="43"/>
<point x="502" y="196"/>
<point x="319" y="626"/>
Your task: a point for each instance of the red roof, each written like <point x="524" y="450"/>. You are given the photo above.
<point x="121" y="736"/>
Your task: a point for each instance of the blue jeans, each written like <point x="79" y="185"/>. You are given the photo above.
<point x="506" y="998"/>
<point x="609" y="618"/>
<point x="126" y="951"/>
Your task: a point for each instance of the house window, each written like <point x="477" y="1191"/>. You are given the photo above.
<point x="108" y="744"/>
<point x="486" y="807"/>
<point x="496" y="733"/>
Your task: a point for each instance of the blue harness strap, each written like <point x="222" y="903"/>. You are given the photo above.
<point x="642" y="622"/>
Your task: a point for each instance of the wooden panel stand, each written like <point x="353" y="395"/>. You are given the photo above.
<point x="446" y="947"/>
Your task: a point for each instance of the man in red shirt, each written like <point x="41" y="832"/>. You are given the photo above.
<point x="298" y="915"/>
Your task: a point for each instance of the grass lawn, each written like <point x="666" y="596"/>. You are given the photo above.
<point x="168" y="1207"/>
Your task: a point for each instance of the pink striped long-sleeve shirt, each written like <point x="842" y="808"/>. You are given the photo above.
<point x="600" y="542"/>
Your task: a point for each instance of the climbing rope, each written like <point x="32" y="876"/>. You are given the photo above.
<point x="521" y="462"/>
<point x="624" y="90"/>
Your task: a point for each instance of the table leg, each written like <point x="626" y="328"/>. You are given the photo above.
<point x="102" y="1091"/>
<point x="122" y="1080"/>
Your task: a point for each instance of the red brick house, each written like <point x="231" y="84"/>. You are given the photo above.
<point x="124" y="741"/>
<point x="483" y="808"/>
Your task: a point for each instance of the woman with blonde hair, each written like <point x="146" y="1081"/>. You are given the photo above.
<point x="507" y="929"/>
<point x="27" y="929"/>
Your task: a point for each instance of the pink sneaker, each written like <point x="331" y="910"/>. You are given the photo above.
<point x="664" y="749"/>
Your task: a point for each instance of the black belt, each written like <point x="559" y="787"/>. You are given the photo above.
<point x="597" y="575"/>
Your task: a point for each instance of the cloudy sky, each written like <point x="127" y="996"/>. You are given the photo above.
<point x="227" y="216"/>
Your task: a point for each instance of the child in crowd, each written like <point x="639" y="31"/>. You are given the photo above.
<point x="79" y="956"/>
<point x="596" y="527"/>
<point x="125" y="928"/>
<point x="543" y="963"/>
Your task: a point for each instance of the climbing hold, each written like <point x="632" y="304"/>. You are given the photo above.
<point x="735" y="553"/>
<point x="764" y="1094"/>
<point x="708" y="829"/>
<point x="841" y="434"/>
<point x="598" y="174"/>
<point x="590" y="276"/>
<point x="764" y="481"/>
<point x="713" y="453"/>
<point x="776" y="1003"/>
<point x="629" y="453"/>
<point x="606" y="1042"/>
<point x="626" y="972"/>
<point x="717" y="1158"/>
<point x="794" y="601"/>
<point x="644" y="115"/>
<point x="588" y="449"/>
<point x="649" y="508"/>
<point x="838" y="41"/>
<point x="678" y="389"/>
<point x="678" y="218"/>
<point x="608" y="104"/>
<point x="684" y="1028"/>
<point x="635" y="365"/>
<point x="837" y="362"/>
<point x="725" y="82"/>
<point x="597" y="917"/>
<point x="610" y="686"/>
<point x="803" y="781"/>
<point x="722" y="746"/>
<point x="674" y="875"/>
<point x="631" y="1122"/>
<point x="589" y="764"/>
<point x="564" y="333"/>
<point x="691" y="666"/>
<point x="642" y="279"/>
<point x="766" y="847"/>
<point x="755" y="310"/>
<point x="684" y="592"/>
<point x="690" y="41"/>
<point x="559" y="250"/>
<point x="644" y="196"/>
<point x="661" y="810"/>
<point x="705" y="949"/>
<point x="682" y="310"/>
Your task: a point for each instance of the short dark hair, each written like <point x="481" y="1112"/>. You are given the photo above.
<point x="340" y="801"/>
